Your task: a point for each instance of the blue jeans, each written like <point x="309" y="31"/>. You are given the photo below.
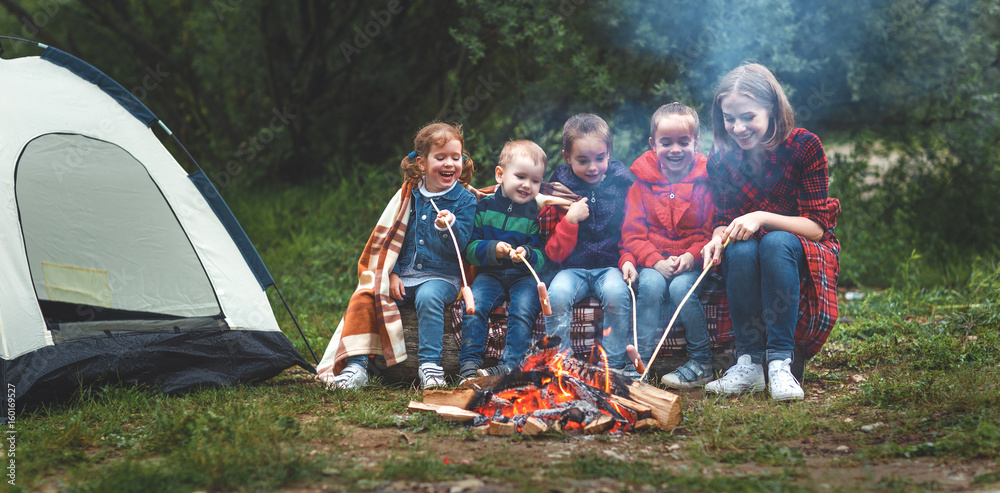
<point x="429" y="298"/>
<point x="762" y="283"/>
<point x="655" y="291"/>
<point x="490" y="290"/>
<point x="573" y="285"/>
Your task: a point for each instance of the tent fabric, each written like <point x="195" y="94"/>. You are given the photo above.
<point x="115" y="265"/>
<point x="222" y="211"/>
<point x="168" y="362"/>
<point x="107" y="84"/>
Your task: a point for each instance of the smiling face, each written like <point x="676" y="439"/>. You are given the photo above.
<point x="674" y="144"/>
<point x="588" y="157"/>
<point x="443" y="166"/>
<point x="746" y="120"/>
<point x="520" y="179"/>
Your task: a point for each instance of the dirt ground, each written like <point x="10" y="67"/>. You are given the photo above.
<point x="828" y="465"/>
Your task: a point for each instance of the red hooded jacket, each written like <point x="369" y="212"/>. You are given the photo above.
<point x="664" y="219"/>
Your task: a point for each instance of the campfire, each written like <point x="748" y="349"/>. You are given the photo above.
<point x="554" y="390"/>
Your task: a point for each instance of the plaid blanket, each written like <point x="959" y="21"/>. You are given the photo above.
<point x="371" y="324"/>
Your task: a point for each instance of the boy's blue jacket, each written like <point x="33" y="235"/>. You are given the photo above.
<point x="598" y="236"/>
<point x="499" y="219"/>
<point x="427" y="252"/>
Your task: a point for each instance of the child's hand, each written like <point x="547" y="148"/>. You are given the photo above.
<point x="628" y="272"/>
<point x="444" y="219"/>
<point x="396" y="289"/>
<point x="684" y="262"/>
<point x="518" y="255"/>
<point x="665" y="268"/>
<point x="578" y="211"/>
<point x="502" y="249"/>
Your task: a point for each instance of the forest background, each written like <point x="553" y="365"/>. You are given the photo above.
<point x="301" y="111"/>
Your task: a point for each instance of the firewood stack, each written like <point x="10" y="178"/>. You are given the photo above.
<point x="551" y="390"/>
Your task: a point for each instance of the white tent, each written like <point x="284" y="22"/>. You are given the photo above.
<point x="115" y="264"/>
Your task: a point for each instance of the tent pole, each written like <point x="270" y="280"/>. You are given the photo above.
<point x="290" y="314"/>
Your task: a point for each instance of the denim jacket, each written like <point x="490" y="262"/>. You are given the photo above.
<point x="428" y="253"/>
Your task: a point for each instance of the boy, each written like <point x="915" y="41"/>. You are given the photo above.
<point x="586" y="239"/>
<point x="506" y="222"/>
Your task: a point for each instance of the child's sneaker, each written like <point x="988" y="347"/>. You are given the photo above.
<point x="690" y="375"/>
<point x="468" y="371"/>
<point x="431" y="376"/>
<point x="630" y="372"/>
<point x="493" y="371"/>
<point x="744" y="376"/>
<point x="354" y="376"/>
<point x="783" y="385"/>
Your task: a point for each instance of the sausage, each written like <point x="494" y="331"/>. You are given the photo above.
<point x="470" y="302"/>
<point x="543" y="295"/>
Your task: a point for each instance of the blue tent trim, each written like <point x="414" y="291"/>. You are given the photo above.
<point x="87" y="72"/>
<point x="222" y="211"/>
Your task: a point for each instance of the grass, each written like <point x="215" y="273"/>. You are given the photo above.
<point x="928" y="361"/>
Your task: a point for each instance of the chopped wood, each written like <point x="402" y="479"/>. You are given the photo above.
<point x="452" y="413"/>
<point x="629" y="403"/>
<point x="421" y="407"/>
<point x="481" y="430"/>
<point x="458" y="397"/>
<point x="599" y="425"/>
<point x="647" y="423"/>
<point x="664" y="406"/>
<point x="501" y="429"/>
<point x="534" y="426"/>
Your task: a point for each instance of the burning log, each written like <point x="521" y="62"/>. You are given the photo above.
<point x="599" y="425"/>
<point x="554" y="391"/>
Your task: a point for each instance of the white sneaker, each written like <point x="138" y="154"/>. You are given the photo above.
<point x="742" y="377"/>
<point x="783" y="385"/>
<point x="431" y="376"/>
<point x="354" y="376"/>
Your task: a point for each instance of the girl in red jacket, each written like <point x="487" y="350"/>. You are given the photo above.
<point x="668" y="220"/>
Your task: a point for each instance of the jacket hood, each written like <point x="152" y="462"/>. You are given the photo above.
<point x="647" y="169"/>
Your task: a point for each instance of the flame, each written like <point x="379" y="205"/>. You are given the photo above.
<point x="553" y="389"/>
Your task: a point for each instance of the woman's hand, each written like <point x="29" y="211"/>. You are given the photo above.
<point x="744" y="227"/>
<point x="712" y="252"/>
<point x="396" y="289"/>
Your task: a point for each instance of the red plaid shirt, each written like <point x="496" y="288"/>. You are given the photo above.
<point x="794" y="181"/>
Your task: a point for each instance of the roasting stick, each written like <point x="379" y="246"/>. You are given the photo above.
<point x="708" y="266"/>
<point x="633" y="349"/>
<point x="543" y="294"/>
<point x="470" y="302"/>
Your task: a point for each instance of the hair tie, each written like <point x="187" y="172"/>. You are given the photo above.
<point x="412" y="155"/>
<point x="465" y="158"/>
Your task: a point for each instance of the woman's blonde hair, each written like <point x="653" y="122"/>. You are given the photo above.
<point x="756" y="82"/>
<point x="435" y="134"/>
